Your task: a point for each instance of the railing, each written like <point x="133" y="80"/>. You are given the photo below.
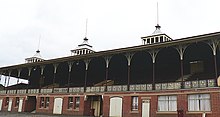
<point x="118" y="88"/>
<point x="95" y="89"/>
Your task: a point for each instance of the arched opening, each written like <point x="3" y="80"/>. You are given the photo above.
<point x="167" y="66"/>
<point x="96" y="71"/>
<point x="118" y="69"/>
<point x="34" y="77"/>
<point x="78" y="74"/>
<point x="48" y="76"/>
<point x="198" y="62"/>
<point x="62" y="74"/>
<point x="141" y="68"/>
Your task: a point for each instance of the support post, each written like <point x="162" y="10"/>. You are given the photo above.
<point x="5" y="82"/>
<point x="214" y="44"/>
<point x="54" y="75"/>
<point x="69" y="74"/>
<point x="41" y="77"/>
<point x="86" y="73"/>
<point x="216" y="69"/>
<point x="129" y="57"/>
<point x="181" y="70"/>
<point x="153" y="54"/>
<point x="19" y="74"/>
<point x="107" y="60"/>
<point x="9" y="76"/>
<point x="181" y="49"/>
<point x="29" y="75"/>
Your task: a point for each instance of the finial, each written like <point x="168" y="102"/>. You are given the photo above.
<point x="39" y="43"/>
<point x="157" y="15"/>
<point x="86" y="27"/>
<point x="157" y="26"/>
<point x="38" y="51"/>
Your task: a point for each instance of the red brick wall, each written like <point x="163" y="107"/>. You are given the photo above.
<point x="48" y="110"/>
<point x="67" y="111"/>
<point x="106" y="106"/>
<point x="182" y="103"/>
<point x="4" y="108"/>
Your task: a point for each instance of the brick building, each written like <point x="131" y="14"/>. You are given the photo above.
<point x="160" y="78"/>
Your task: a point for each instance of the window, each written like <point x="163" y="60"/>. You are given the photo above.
<point x="199" y="102"/>
<point x="16" y="101"/>
<point x="157" y="39"/>
<point x="148" y="41"/>
<point x="6" y="101"/>
<point x="41" y="102"/>
<point x="167" y="103"/>
<point x="77" y="102"/>
<point x="134" y="103"/>
<point x="47" y="102"/>
<point x="161" y="38"/>
<point x="152" y="40"/>
<point x="70" y="102"/>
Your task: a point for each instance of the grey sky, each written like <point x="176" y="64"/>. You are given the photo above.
<point x="111" y="24"/>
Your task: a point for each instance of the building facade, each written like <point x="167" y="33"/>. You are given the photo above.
<point x="157" y="79"/>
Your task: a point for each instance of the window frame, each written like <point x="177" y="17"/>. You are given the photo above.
<point x="42" y="102"/>
<point x="70" y="102"/>
<point x="199" y="99"/>
<point x="47" y="102"/>
<point x="169" y="103"/>
<point x="76" y="103"/>
<point x="134" y="103"/>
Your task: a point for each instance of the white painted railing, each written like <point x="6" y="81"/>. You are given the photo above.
<point x="118" y="88"/>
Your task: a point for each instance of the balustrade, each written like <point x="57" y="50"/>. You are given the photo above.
<point x="118" y="88"/>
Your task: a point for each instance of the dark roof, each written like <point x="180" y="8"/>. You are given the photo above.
<point x="175" y="42"/>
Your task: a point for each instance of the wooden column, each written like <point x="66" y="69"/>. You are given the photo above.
<point x="86" y="73"/>
<point x="181" y="49"/>
<point x="54" y="75"/>
<point x="129" y="57"/>
<point x="41" y="77"/>
<point x="107" y="60"/>
<point x="214" y="44"/>
<point x="19" y="74"/>
<point x="29" y="75"/>
<point x="153" y="54"/>
<point x="9" y="76"/>
<point x="69" y="74"/>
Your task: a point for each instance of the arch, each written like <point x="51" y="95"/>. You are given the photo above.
<point x="62" y="74"/>
<point x="118" y="69"/>
<point x="198" y="62"/>
<point x="48" y="75"/>
<point x="78" y="74"/>
<point x="141" y="68"/>
<point x="96" y="71"/>
<point x="167" y="65"/>
<point x="34" y="79"/>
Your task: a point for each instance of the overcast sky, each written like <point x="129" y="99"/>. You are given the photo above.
<point x="111" y="24"/>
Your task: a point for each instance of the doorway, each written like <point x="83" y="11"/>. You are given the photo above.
<point x="58" y="104"/>
<point x="95" y="105"/>
<point x="146" y="108"/>
<point x="30" y="105"/>
<point x="115" y="107"/>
